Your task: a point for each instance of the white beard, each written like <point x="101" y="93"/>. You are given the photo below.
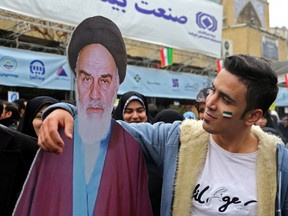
<point x="94" y="127"/>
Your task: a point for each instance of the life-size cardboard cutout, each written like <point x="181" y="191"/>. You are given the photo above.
<point x="102" y="170"/>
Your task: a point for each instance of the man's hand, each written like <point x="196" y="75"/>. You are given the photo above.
<point x="49" y="138"/>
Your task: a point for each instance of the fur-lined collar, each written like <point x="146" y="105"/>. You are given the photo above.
<point x="192" y="156"/>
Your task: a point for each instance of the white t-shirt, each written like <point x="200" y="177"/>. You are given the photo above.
<point x="227" y="184"/>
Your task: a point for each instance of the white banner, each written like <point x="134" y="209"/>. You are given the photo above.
<point x="12" y="96"/>
<point x="193" y="25"/>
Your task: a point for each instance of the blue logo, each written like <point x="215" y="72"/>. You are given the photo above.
<point x="8" y="63"/>
<point x="61" y="72"/>
<point x="13" y="97"/>
<point x="37" y="70"/>
<point x="206" y="21"/>
<point x="37" y="67"/>
<point x="175" y="83"/>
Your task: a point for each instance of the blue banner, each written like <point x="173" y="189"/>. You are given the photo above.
<point x="48" y="71"/>
<point x="162" y="83"/>
<point x="25" y="68"/>
<point x="282" y="97"/>
<point x="34" y="69"/>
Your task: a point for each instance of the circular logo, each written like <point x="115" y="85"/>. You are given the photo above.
<point x="8" y="63"/>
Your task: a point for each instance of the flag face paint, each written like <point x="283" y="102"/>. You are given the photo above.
<point x="227" y="114"/>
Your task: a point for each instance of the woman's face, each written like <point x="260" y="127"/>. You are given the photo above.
<point x="37" y="121"/>
<point x="135" y="112"/>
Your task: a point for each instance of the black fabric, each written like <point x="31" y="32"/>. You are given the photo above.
<point x="155" y="181"/>
<point x="17" y="152"/>
<point x="168" y="116"/>
<point x="100" y="30"/>
<point x="276" y="132"/>
<point x="32" y="108"/>
<point x="283" y="129"/>
<point x="9" y="122"/>
<point x="118" y="112"/>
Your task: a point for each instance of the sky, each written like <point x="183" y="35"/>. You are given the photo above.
<point x="278" y="10"/>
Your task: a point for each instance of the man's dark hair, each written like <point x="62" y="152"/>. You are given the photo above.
<point x="20" y="103"/>
<point x="259" y="78"/>
<point x="9" y="106"/>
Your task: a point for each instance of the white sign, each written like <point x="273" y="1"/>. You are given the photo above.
<point x="12" y="96"/>
<point x="190" y="25"/>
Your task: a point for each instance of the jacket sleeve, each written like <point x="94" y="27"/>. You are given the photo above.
<point x="66" y="106"/>
<point x="284" y="186"/>
<point x="158" y="141"/>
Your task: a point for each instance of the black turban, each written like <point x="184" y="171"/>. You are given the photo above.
<point x="100" y="30"/>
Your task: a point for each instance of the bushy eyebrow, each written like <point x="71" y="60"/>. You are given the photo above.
<point x="106" y="76"/>
<point x="84" y="72"/>
<point x="223" y="94"/>
<point x="102" y="76"/>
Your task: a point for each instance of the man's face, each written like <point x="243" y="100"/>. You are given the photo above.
<point x="227" y="95"/>
<point x="96" y="80"/>
<point x="5" y="114"/>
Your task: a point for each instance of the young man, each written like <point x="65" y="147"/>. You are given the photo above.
<point x="103" y="171"/>
<point x="10" y="115"/>
<point x="224" y="165"/>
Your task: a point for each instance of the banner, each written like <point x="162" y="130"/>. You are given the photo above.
<point x="48" y="71"/>
<point x="162" y="83"/>
<point x="190" y="25"/>
<point x="34" y="69"/>
<point x="282" y="97"/>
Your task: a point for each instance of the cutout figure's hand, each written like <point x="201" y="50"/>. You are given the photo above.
<point x="49" y="138"/>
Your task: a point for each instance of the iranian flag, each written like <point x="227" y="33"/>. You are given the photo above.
<point x="166" y="57"/>
<point x="219" y="63"/>
<point x="286" y="79"/>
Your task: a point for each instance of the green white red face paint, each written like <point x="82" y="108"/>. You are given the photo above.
<point x="227" y="114"/>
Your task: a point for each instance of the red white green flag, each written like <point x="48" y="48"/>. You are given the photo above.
<point x="166" y="56"/>
<point x="220" y="63"/>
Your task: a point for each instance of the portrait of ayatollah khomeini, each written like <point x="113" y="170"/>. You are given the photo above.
<point x="102" y="170"/>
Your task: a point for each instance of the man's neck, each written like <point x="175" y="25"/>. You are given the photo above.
<point x="245" y="142"/>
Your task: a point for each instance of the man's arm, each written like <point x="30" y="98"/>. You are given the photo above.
<point x="55" y="116"/>
<point x="156" y="140"/>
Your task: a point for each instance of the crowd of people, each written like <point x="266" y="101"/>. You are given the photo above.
<point x="133" y="159"/>
<point x="19" y="126"/>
